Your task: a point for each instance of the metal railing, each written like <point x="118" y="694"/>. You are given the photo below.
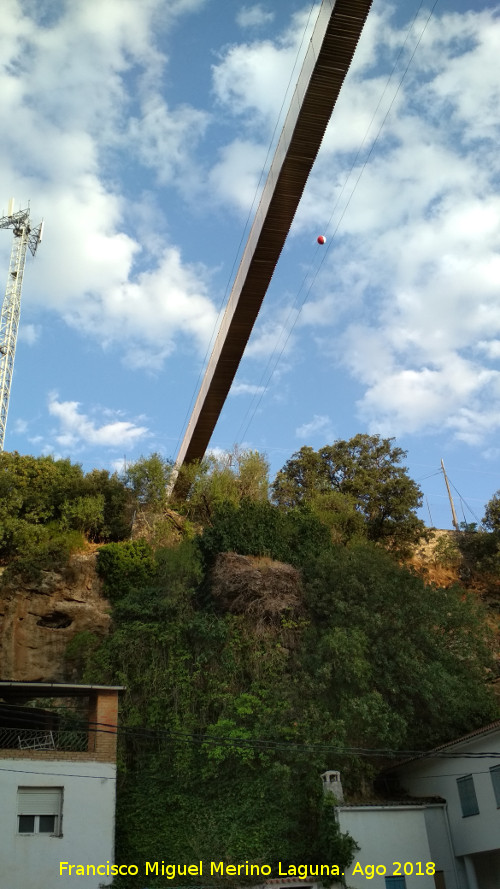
<point x="75" y="740"/>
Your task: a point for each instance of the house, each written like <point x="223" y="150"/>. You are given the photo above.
<point x="436" y="824"/>
<point x="466" y="772"/>
<point x="57" y="782"/>
<point x="397" y="841"/>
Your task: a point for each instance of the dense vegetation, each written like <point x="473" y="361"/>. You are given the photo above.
<point x="228" y="721"/>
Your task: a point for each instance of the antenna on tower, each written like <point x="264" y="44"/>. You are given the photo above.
<point x="24" y="237"/>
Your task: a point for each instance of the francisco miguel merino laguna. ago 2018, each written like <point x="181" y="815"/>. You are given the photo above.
<point x="216" y="868"/>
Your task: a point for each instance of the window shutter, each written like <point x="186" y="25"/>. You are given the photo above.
<point x="39" y="800"/>
<point x="467" y="794"/>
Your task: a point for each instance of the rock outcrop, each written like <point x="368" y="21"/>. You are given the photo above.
<point x="37" y="620"/>
<point x="258" y="587"/>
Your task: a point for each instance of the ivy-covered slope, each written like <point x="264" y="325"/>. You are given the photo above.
<point x="248" y="675"/>
<point x="228" y="722"/>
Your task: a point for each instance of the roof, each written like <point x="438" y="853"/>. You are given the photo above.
<point x="10" y="688"/>
<point x="410" y="802"/>
<point x="437" y="751"/>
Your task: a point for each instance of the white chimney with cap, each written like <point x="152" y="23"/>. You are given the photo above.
<point x="332" y="784"/>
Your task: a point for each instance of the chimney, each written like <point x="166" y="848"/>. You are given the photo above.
<point x="332" y="784"/>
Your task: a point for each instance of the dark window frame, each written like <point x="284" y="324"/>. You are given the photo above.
<point x="39" y="811"/>
<point x="467" y="795"/>
<point x="495" y="780"/>
<point x="395" y="882"/>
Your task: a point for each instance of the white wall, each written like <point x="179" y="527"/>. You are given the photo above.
<point x="440" y="844"/>
<point x="438" y="776"/>
<point x="32" y="861"/>
<point x="387" y="835"/>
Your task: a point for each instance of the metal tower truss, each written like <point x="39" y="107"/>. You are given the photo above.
<point x="24" y="237"/>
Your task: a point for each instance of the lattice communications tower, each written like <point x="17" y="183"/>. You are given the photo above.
<point x="24" y="237"/>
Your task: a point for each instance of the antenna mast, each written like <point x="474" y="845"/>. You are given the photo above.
<point x="24" y="237"/>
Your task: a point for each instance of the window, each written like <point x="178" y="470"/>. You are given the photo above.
<point x="39" y="810"/>
<point x="495" y="780"/>
<point x="395" y="883"/>
<point x="467" y="794"/>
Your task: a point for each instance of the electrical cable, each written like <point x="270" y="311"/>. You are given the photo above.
<point x="144" y="732"/>
<point x="59" y="774"/>
<point x="462" y="500"/>
<point x="245" y="228"/>
<point x="331" y="240"/>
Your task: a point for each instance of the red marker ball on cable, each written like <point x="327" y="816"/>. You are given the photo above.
<point x="321" y="239"/>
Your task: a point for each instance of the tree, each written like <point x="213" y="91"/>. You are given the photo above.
<point x="47" y="505"/>
<point x="491" y="520"/>
<point x="84" y="514"/>
<point x="35" y="488"/>
<point x="404" y="664"/>
<point x="148" y="478"/>
<point x="367" y="470"/>
<point x="261" y="529"/>
<point x="230" y="477"/>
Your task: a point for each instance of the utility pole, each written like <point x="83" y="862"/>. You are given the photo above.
<point x="24" y="237"/>
<point x="453" y="513"/>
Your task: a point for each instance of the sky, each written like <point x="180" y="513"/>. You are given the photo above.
<point x="141" y="133"/>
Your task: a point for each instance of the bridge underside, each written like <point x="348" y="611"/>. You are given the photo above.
<point x="327" y="61"/>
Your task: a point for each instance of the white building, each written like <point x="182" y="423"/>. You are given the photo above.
<point x="468" y="778"/>
<point x="57" y="785"/>
<point x="398" y="844"/>
<point x="442" y="830"/>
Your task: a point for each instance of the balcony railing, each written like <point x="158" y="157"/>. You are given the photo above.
<point x="74" y="740"/>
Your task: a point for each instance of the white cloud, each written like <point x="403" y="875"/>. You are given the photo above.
<point x="160" y="136"/>
<point x="253" y="16"/>
<point x="246" y="389"/>
<point x="415" y="262"/>
<point x="20" y="426"/>
<point x="320" y="424"/>
<point x="253" y="79"/>
<point x="491" y="348"/>
<point x="150" y="312"/>
<point x="68" y="130"/>
<point x="29" y="333"/>
<point x="235" y="177"/>
<point x="273" y="336"/>
<point x="79" y="430"/>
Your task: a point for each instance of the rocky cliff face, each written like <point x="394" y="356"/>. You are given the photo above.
<point x="37" y="620"/>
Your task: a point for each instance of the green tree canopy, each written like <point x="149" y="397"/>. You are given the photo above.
<point x="226" y="727"/>
<point x="46" y="506"/>
<point x="403" y="663"/>
<point x="491" y="520"/>
<point x="229" y="477"/>
<point x="368" y="471"/>
<point x="261" y="529"/>
<point x="147" y="479"/>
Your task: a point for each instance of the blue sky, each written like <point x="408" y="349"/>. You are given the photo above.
<point x="139" y="132"/>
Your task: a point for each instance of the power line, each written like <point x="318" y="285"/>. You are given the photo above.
<point x="314" y="277"/>
<point x="60" y="774"/>
<point x="245" y="228"/>
<point x="144" y="732"/>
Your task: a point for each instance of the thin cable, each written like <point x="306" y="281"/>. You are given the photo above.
<point x="60" y="774"/>
<point x="328" y="224"/>
<point x="269" y="744"/>
<point x="145" y="733"/>
<point x="356" y="183"/>
<point x="245" y="228"/>
<point x="424" y="477"/>
<point x="462" y="500"/>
